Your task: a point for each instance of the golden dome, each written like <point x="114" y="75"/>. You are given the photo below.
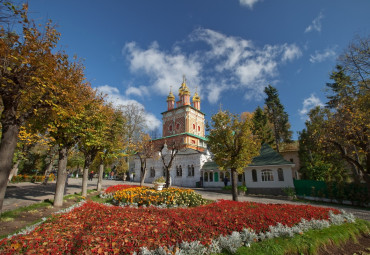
<point x="184" y="90"/>
<point x="171" y="97"/>
<point x="196" y="97"/>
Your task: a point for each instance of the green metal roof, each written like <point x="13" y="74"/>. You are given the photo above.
<point x="269" y="157"/>
<point x="185" y="133"/>
<point x="210" y="166"/>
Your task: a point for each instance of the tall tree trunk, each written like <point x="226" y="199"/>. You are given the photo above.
<point x="14" y="170"/>
<point x="100" y="177"/>
<point x="48" y="170"/>
<point x="62" y="176"/>
<point x="142" y="175"/>
<point x="88" y="160"/>
<point x="142" y="171"/>
<point x="8" y="144"/>
<point x="234" y="184"/>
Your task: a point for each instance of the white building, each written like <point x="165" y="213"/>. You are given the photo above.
<point x="193" y="165"/>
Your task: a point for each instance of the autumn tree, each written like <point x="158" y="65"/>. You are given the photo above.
<point x="233" y="144"/>
<point x="345" y="128"/>
<point x="94" y="129"/>
<point x="319" y="161"/>
<point x="115" y="144"/>
<point x="277" y="117"/>
<point x="145" y="150"/>
<point x="28" y="69"/>
<point x="64" y="122"/>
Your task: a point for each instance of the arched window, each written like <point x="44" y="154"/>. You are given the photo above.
<point x="170" y="127"/>
<point x="267" y="175"/>
<point x="193" y="126"/>
<point x="280" y="175"/>
<point x="192" y="170"/>
<point x="177" y="125"/>
<point x="189" y="170"/>
<point x="198" y="128"/>
<point x="206" y="176"/>
<point x="178" y="171"/>
<point x="152" y="172"/>
<point x="254" y="175"/>
<point x="211" y="176"/>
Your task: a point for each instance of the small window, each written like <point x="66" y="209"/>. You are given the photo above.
<point x="292" y="160"/>
<point x="211" y="176"/>
<point x="170" y="128"/>
<point x="281" y="175"/>
<point x="193" y="141"/>
<point x="190" y="170"/>
<point x="178" y="126"/>
<point x="206" y="176"/>
<point x="267" y="175"/>
<point x="193" y="126"/>
<point x="152" y="172"/>
<point x="254" y="175"/>
<point x="178" y="171"/>
<point x="198" y="128"/>
<point x="222" y="176"/>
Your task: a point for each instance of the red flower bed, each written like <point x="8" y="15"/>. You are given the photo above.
<point x="115" y="188"/>
<point x="97" y="228"/>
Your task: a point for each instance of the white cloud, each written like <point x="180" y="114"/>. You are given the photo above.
<point x="229" y="63"/>
<point x="291" y="52"/>
<point x="322" y="56"/>
<point x="248" y="3"/>
<point x="165" y="68"/>
<point x="113" y="95"/>
<point x="137" y="91"/>
<point x="250" y="67"/>
<point x="316" y="24"/>
<point x="308" y="104"/>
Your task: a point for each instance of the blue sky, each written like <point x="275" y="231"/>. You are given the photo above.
<point x="228" y="49"/>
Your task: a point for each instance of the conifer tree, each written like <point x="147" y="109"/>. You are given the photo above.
<point x="262" y="127"/>
<point x="277" y="117"/>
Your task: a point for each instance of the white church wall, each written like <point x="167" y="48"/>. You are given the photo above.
<point x="276" y="183"/>
<point x="184" y="160"/>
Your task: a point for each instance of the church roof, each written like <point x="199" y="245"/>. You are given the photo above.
<point x="210" y="166"/>
<point x="268" y="156"/>
<point x="185" y="133"/>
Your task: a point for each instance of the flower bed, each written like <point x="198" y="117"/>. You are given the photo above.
<point x="97" y="228"/>
<point x="171" y="197"/>
<point x="115" y="188"/>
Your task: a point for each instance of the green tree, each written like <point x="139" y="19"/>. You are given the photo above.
<point x="232" y="143"/>
<point x="115" y="144"/>
<point x="262" y="127"/>
<point x="319" y="161"/>
<point x="277" y="117"/>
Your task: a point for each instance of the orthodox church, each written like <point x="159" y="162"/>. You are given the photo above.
<point x="184" y="124"/>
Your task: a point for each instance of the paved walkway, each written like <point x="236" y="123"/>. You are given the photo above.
<point x="23" y="194"/>
<point x="26" y="193"/>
